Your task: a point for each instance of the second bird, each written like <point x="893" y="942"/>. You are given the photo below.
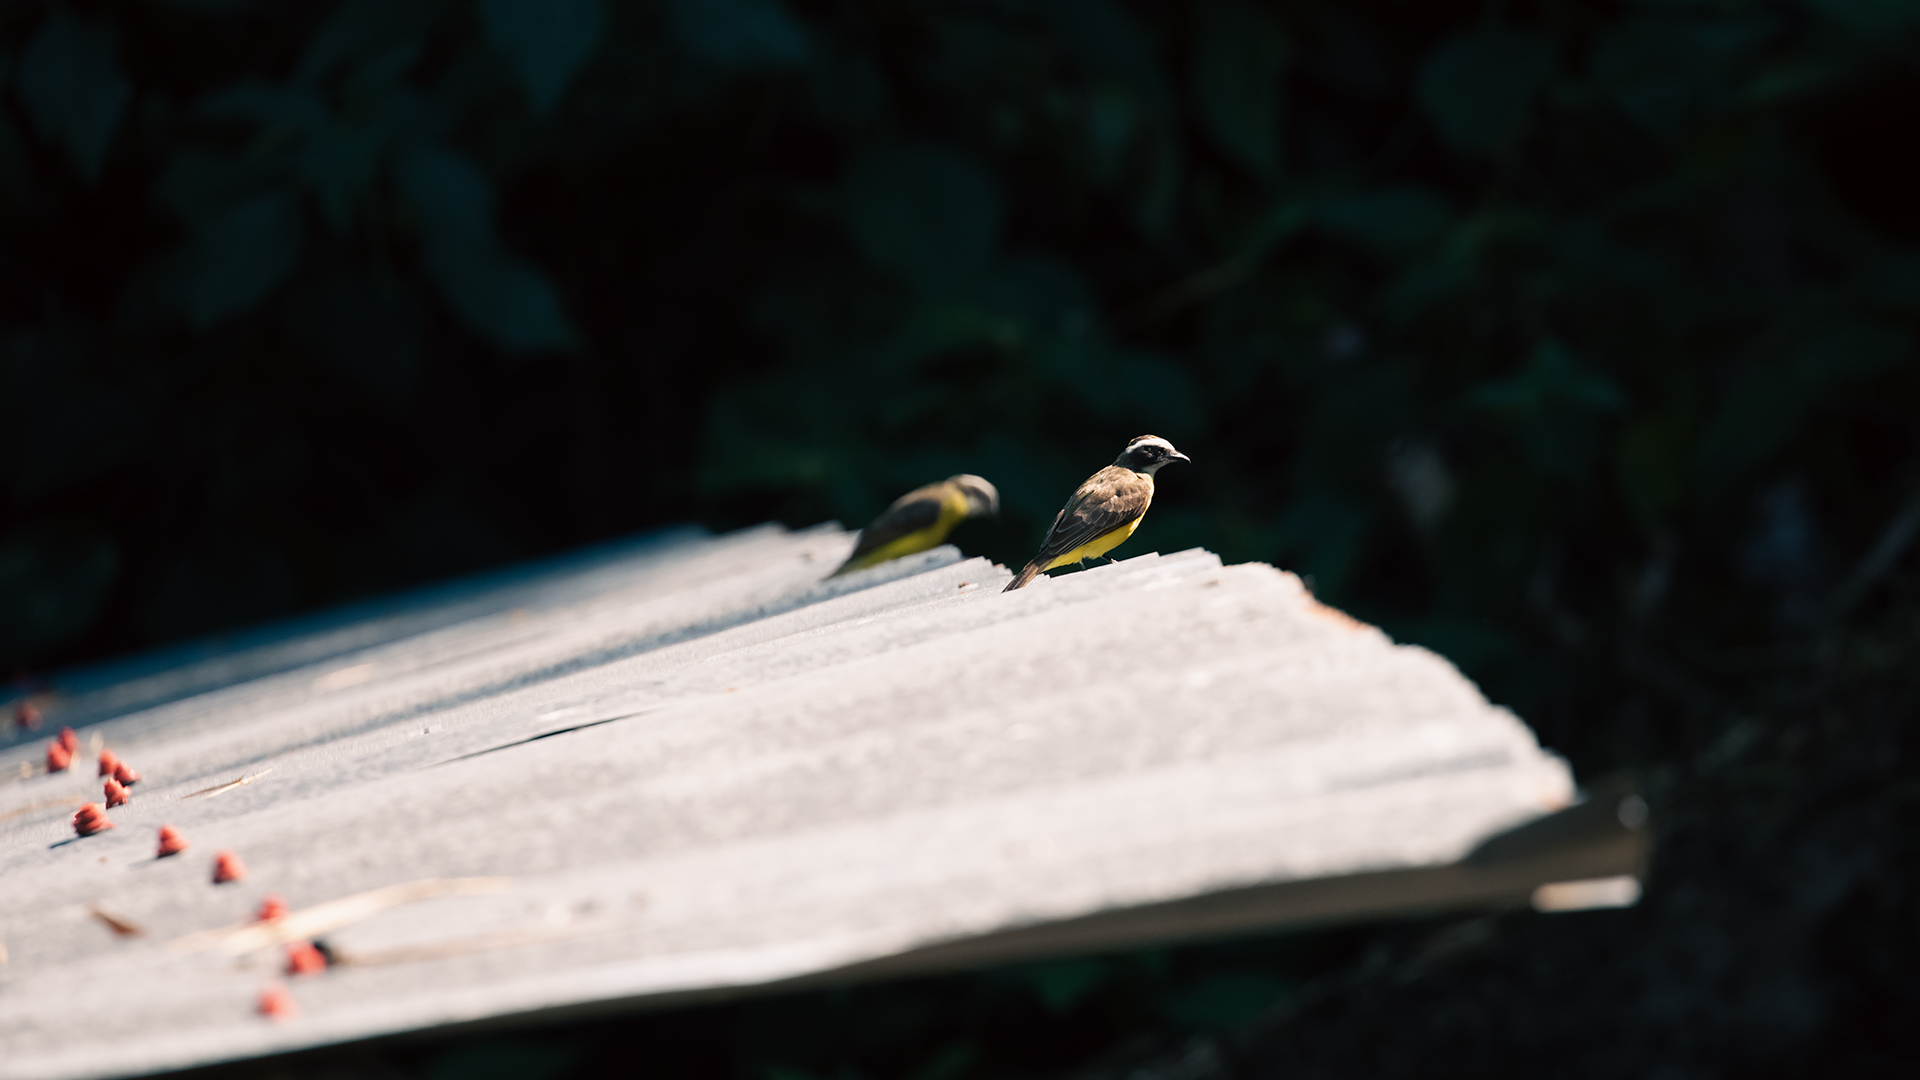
<point x="921" y="519"/>
<point x="1105" y="510"/>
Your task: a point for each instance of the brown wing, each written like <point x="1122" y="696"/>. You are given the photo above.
<point x="1109" y="499"/>
<point x="917" y="509"/>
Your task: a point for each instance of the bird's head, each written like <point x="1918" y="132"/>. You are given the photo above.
<point x="983" y="499"/>
<point x="1147" y="453"/>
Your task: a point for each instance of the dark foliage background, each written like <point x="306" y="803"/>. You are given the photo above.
<point x="1573" y="339"/>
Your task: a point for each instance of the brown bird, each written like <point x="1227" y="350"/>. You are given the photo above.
<point x="1105" y="510"/>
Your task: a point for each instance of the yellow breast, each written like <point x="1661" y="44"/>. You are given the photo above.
<point x="953" y="510"/>
<point x="1098" y="546"/>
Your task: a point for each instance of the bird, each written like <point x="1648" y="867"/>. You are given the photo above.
<point x="921" y="519"/>
<point x="1105" y="510"/>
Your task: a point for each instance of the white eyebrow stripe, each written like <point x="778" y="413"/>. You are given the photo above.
<point x="1146" y="439"/>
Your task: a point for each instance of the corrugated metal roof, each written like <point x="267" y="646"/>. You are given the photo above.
<point x="689" y="764"/>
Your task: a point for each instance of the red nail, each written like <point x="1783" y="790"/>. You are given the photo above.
<point x="171" y="842"/>
<point x="69" y="740"/>
<point x="227" y="867"/>
<point x="108" y="762"/>
<point x="304" y="959"/>
<point x="90" y="819"/>
<point x="277" y="1004"/>
<point x="58" y="757"/>
<point x="124" y="773"/>
<point x="116" y="793"/>
<point x="271" y="908"/>
<point x="27" y="717"/>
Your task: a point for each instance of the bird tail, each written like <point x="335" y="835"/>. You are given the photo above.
<point x="1021" y="579"/>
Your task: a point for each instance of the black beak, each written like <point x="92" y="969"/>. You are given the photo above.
<point x="1178" y="456"/>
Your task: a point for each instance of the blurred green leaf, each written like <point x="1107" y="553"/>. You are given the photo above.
<point x="278" y="107"/>
<point x="545" y="40"/>
<point x="1391" y="221"/>
<point x="924" y="213"/>
<point x="73" y="89"/>
<point x="1043" y="291"/>
<point x="1157" y="180"/>
<point x="337" y="154"/>
<point x="1478" y="88"/>
<point x="1239" y="54"/>
<point x="1553" y="380"/>
<point x="1128" y="110"/>
<point x="1108" y="41"/>
<point x="451" y="198"/>
<point x="931" y="332"/>
<point x="237" y="257"/>
<point x="1654" y="71"/>
<point x="340" y="162"/>
<point x="1553" y="405"/>
<point x="363" y="30"/>
<point x="1112" y="123"/>
<point x="511" y="303"/>
<point x="514" y="305"/>
<point x="740" y="33"/>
